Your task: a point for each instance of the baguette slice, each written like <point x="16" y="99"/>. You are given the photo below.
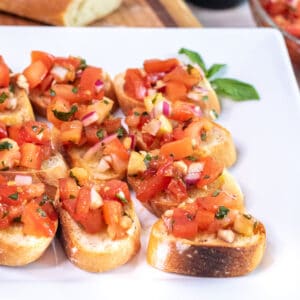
<point x="163" y="202"/>
<point x="22" y="113"/>
<point x="61" y="12"/>
<point x="41" y="102"/>
<point x="16" y="248"/>
<point x="210" y="108"/>
<point x="98" y="252"/>
<point x="206" y="255"/>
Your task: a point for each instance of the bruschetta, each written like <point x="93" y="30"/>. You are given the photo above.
<point x="155" y="127"/>
<point x="68" y="77"/>
<point x="175" y="80"/>
<point x="99" y="228"/>
<point x="29" y="147"/>
<point x="91" y="138"/>
<point x="162" y="180"/>
<point x="206" y="238"/>
<point x="15" y="107"/>
<point x="28" y="219"/>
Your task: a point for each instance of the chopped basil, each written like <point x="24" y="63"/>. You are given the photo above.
<point x="147" y="158"/>
<point x="65" y="116"/>
<point x="72" y="196"/>
<point x="17" y="219"/>
<point x="14" y="196"/>
<point x="206" y="176"/>
<point x="5" y="146"/>
<point x="214" y="113"/>
<point x="52" y="93"/>
<point x="145" y="113"/>
<point x="34" y="128"/>
<point x="216" y="193"/>
<point x="120" y="132"/>
<point x="121" y="197"/>
<point x="221" y="212"/>
<point x="41" y="212"/>
<point x="136" y="113"/>
<point x="100" y="134"/>
<point x="205" y="98"/>
<point x="11" y="88"/>
<point x="203" y="136"/>
<point x="191" y="158"/>
<point x="247" y="216"/>
<point x="3" y="97"/>
<point x="75" y="90"/>
<point x="194" y="57"/>
<point x="154" y="99"/>
<point x="83" y="64"/>
<point x="45" y="199"/>
<point x="190" y="216"/>
<point x="189" y="68"/>
<point x="74" y="177"/>
<point x="106" y="102"/>
<point x="215" y="69"/>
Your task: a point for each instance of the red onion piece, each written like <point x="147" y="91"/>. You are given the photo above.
<point x="92" y="151"/>
<point x="166" y="108"/>
<point x="124" y="125"/>
<point x="109" y="138"/>
<point x="133" y="141"/>
<point x="201" y="90"/>
<point x="194" y="173"/>
<point x="197" y="111"/>
<point x="89" y="118"/>
<point x="23" y="180"/>
<point x="99" y="84"/>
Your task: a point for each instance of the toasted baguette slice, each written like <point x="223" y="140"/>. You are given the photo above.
<point x="40" y="102"/>
<point x="18" y="249"/>
<point x="206" y="255"/>
<point x="163" y="202"/>
<point x="22" y="113"/>
<point x="98" y="252"/>
<point x="210" y="107"/>
<point x="63" y="12"/>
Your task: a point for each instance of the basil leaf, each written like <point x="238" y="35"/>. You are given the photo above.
<point x="3" y="97"/>
<point x="65" y="116"/>
<point x="5" y="146"/>
<point x="194" y="57"/>
<point x="214" y="69"/>
<point x="234" y="89"/>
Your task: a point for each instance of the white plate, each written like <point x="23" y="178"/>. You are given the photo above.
<point x="266" y="133"/>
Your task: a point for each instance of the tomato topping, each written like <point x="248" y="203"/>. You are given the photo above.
<point x="60" y="105"/>
<point x="71" y="132"/>
<point x="4" y="73"/>
<point x="182" y="111"/>
<point x="94" y="134"/>
<point x="175" y="90"/>
<point x="46" y="83"/>
<point x="36" y="222"/>
<point x="177" y="189"/>
<point x="68" y="62"/>
<point x="35" y="132"/>
<point x="31" y="156"/>
<point x="35" y="73"/>
<point x="83" y="203"/>
<point x="3" y="130"/>
<point x="33" y="190"/>
<point x="135" y="84"/>
<point x="88" y="82"/>
<point x="112" y="212"/>
<point x="117" y="148"/>
<point x="10" y="195"/>
<point x="115" y="190"/>
<point x="66" y="91"/>
<point x="204" y="219"/>
<point x="46" y="58"/>
<point x="211" y="171"/>
<point x="157" y="65"/>
<point x="178" y="149"/>
<point x="68" y="189"/>
<point x="112" y="125"/>
<point x="92" y="222"/>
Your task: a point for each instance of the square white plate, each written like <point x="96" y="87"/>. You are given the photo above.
<point x="266" y="133"/>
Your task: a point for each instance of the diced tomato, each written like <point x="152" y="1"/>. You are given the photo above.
<point x="4" y="73"/>
<point x="175" y="91"/>
<point x="14" y="133"/>
<point x="60" y="105"/>
<point x="10" y="195"/>
<point x="46" y="83"/>
<point x="44" y="57"/>
<point x="36" y="222"/>
<point x="148" y="139"/>
<point x="133" y="120"/>
<point x="4" y="220"/>
<point x="88" y="80"/>
<point x="204" y="219"/>
<point x="178" y="190"/>
<point x="3" y="180"/>
<point x="90" y="133"/>
<point x="182" y="111"/>
<point x="181" y="75"/>
<point x="112" y="212"/>
<point x="157" y="65"/>
<point x="71" y="132"/>
<point x="67" y="92"/>
<point x="15" y="212"/>
<point x="117" y="148"/>
<point x="49" y="209"/>
<point x="70" y="206"/>
<point x="68" y="189"/>
<point x="184" y="224"/>
<point x="135" y="84"/>
<point x="114" y="190"/>
<point x="36" y="132"/>
<point x="35" y="73"/>
<point x="93" y="221"/>
<point x="3" y="130"/>
<point x="178" y="149"/>
<point x="68" y="61"/>
<point x="211" y="171"/>
<point x="31" y="156"/>
<point x="33" y="190"/>
<point x="83" y="202"/>
<point x="112" y="125"/>
<point x="178" y="133"/>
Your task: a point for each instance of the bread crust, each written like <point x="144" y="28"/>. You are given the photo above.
<point x="83" y="250"/>
<point x="41" y="102"/>
<point x="128" y="103"/>
<point x="210" y="257"/>
<point x="22" y="113"/>
<point x="63" y="12"/>
<point x="163" y="202"/>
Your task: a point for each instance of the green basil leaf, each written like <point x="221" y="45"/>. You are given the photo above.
<point x="5" y="146"/>
<point x="214" y="69"/>
<point x="194" y="57"/>
<point x="65" y="116"/>
<point x="234" y="89"/>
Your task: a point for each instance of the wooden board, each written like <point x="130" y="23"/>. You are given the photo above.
<point x="134" y="13"/>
